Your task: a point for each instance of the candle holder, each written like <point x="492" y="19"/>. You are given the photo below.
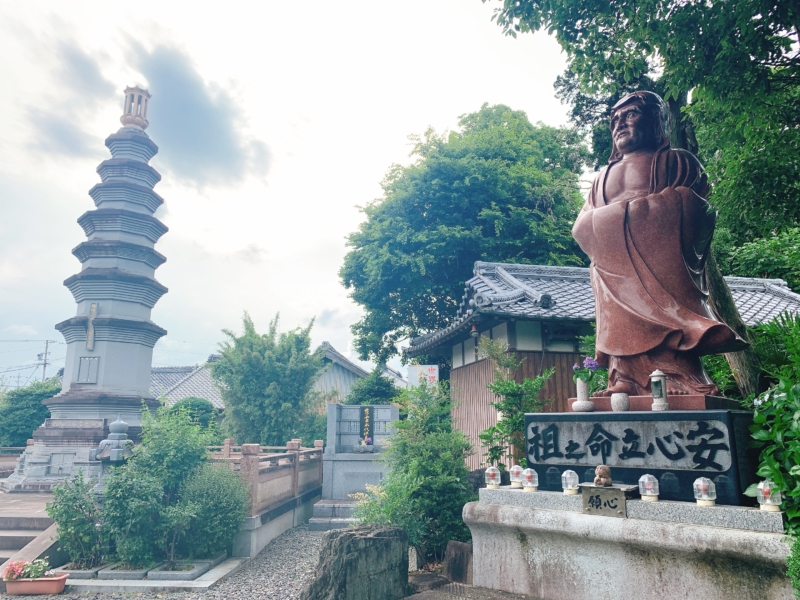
<point x="648" y="488"/>
<point x="769" y="496"/>
<point x="492" y="478"/>
<point x="569" y="482"/>
<point x="516" y="476"/>
<point x="530" y="480"/>
<point x="658" y="386"/>
<point x="705" y="492"/>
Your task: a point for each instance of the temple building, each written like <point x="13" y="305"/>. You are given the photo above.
<point x="541" y="312"/>
<point x="110" y="340"/>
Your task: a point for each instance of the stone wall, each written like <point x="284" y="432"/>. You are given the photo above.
<point x="362" y="563"/>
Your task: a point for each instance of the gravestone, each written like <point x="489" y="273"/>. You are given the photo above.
<point x="345" y="470"/>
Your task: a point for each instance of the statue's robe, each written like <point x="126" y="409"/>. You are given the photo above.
<point x="648" y="273"/>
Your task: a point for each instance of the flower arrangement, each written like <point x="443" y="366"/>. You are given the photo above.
<point x="365" y="442"/>
<point x="587" y="372"/>
<point x="22" y="569"/>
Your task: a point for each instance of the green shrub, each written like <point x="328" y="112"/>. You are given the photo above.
<point x="514" y="400"/>
<point x="22" y="411"/>
<point x="200" y="410"/>
<point x="794" y="566"/>
<point x="79" y="533"/>
<point x="375" y="388"/>
<point x="173" y="446"/>
<point x="222" y="501"/>
<point x="426" y="488"/>
<point x="777" y="343"/>
<point x="776" y="430"/>
<point x="131" y="512"/>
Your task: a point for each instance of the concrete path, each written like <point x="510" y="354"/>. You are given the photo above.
<point x="24" y="505"/>
<point x="457" y="591"/>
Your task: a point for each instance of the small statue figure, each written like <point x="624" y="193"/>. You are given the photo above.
<point x="602" y="476"/>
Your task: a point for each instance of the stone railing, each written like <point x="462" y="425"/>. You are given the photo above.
<point x="274" y="474"/>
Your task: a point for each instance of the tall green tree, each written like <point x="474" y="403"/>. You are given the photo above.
<point x="375" y="388"/>
<point x="498" y="189"/>
<point x="22" y="411"/>
<point x="266" y="382"/>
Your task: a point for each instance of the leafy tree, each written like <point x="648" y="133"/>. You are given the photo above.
<point x="776" y="256"/>
<point x="199" y="409"/>
<point x="22" y="411"/>
<point x="498" y="189"/>
<point x="375" y="388"/>
<point x="266" y="382"/>
<point x="426" y="488"/>
<point x="507" y="438"/>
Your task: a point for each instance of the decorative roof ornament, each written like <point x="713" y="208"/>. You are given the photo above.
<point x="135" y="112"/>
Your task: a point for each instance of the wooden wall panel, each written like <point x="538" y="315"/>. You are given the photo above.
<point x="472" y="412"/>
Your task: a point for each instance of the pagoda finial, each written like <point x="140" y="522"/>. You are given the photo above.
<point x="135" y="112"/>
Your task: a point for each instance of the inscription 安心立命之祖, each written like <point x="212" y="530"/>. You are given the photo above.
<point x="690" y="445"/>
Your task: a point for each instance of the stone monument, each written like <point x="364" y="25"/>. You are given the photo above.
<point x="647" y="228"/>
<point x="110" y="340"/>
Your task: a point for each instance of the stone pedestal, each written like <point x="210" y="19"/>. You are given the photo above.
<point x="676" y="447"/>
<point x="670" y="551"/>
<point x="681" y="402"/>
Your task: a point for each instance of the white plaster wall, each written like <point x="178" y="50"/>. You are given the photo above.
<point x="529" y="335"/>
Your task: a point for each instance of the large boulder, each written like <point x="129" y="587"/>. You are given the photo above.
<point x="362" y="563"/>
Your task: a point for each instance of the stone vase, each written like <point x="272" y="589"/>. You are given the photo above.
<point x="582" y="404"/>
<point x="620" y="402"/>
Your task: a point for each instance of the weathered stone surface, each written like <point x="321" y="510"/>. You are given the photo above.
<point x="457" y="564"/>
<point x="363" y="563"/>
<point x="422" y="582"/>
<point x="563" y="555"/>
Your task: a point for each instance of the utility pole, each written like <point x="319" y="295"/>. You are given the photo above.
<point x="43" y="357"/>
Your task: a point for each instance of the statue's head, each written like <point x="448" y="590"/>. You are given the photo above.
<point x="638" y="121"/>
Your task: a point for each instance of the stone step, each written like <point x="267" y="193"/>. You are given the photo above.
<point x="326" y="524"/>
<point x="334" y="509"/>
<point x="34" y="523"/>
<point x="16" y="539"/>
<point x="6" y="554"/>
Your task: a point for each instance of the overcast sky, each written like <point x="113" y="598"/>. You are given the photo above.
<point x="275" y="121"/>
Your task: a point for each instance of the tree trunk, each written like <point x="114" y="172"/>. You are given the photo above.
<point x="744" y="364"/>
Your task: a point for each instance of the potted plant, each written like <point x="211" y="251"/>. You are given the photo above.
<point x="32" y="578"/>
<point x="582" y="377"/>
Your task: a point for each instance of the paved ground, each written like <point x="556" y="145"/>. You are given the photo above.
<point x="23" y="505"/>
<point x="456" y="591"/>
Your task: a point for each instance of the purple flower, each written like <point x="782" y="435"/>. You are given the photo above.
<point x="590" y="363"/>
<point x="369" y="441"/>
<point x="575" y="367"/>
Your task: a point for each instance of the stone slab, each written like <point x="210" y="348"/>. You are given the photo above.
<point x="676" y="447"/>
<point x="161" y="574"/>
<point x="732" y="517"/>
<point x="563" y="555"/>
<point x="457" y="564"/>
<point x="204" y="582"/>
<point x="420" y="582"/>
<point x="458" y="591"/>
<point x="682" y="402"/>
<point x="113" y="572"/>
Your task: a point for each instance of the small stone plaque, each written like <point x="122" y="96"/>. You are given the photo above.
<point x="75" y="423"/>
<point x="609" y="501"/>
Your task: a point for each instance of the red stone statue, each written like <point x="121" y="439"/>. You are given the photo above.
<point x="647" y="228"/>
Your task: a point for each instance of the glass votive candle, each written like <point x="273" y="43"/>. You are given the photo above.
<point x="569" y="482"/>
<point x="516" y="476"/>
<point x="492" y="478"/>
<point x="769" y="496"/>
<point x="648" y="488"/>
<point x="530" y="480"/>
<point x="705" y="492"/>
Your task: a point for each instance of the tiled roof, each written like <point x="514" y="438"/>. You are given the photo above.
<point x="533" y="292"/>
<point x="163" y="378"/>
<point x="196" y="382"/>
<point x="333" y="355"/>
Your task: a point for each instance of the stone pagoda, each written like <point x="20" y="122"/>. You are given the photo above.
<point x="110" y="340"/>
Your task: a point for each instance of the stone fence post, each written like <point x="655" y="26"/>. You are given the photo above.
<point x="251" y="454"/>
<point x="226" y="447"/>
<point x="294" y="446"/>
<point x="318" y="444"/>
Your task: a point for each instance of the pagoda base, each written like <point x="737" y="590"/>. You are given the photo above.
<point x="676" y="402"/>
